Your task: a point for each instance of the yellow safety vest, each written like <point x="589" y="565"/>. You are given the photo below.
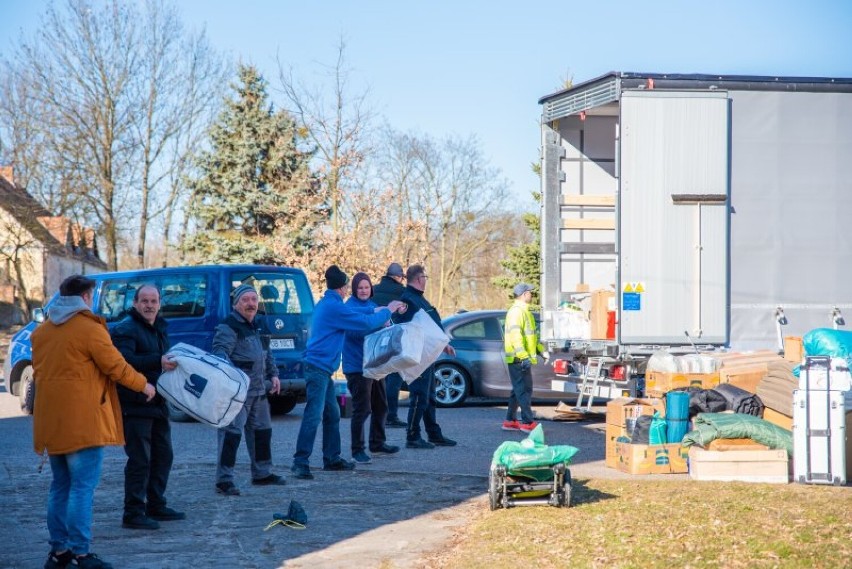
<point x="519" y="338"/>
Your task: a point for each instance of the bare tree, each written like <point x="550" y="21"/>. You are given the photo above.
<point x="337" y="125"/>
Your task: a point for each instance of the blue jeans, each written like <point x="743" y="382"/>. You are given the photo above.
<point x="522" y="386"/>
<point x="393" y="383"/>
<point x="321" y="406"/>
<point x="71" y="499"/>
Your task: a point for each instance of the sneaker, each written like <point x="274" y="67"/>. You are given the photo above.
<point x="527" y="427"/>
<point x="165" y="514"/>
<point x="271" y="480"/>
<point x="443" y="442"/>
<point x="58" y="560"/>
<point x="419" y="443"/>
<point x="90" y="561"/>
<point x="385" y="449"/>
<point x="227" y="488"/>
<point x="362" y="457"/>
<point x="301" y="472"/>
<point x="395" y="423"/>
<point x="340" y="465"/>
<point x="511" y="426"/>
<point x="139" y="521"/>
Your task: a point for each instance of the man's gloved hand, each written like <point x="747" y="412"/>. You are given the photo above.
<point x="525" y="364"/>
<point x="545" y="356"/>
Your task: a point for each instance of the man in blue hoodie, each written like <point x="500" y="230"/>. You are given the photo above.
<point x="332" y="318"/>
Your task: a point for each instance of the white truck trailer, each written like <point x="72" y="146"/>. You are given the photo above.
<point x="715" y="207"/>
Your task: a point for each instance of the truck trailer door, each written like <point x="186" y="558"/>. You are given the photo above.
<point x="673" y="217"/>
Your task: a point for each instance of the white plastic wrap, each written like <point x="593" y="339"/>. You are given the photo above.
<point x="391" y="350"/>
<point x="571" y="324"/>
<point x="663" y="362"/>
<point x="204" y="386"/>
<point x="434" y="342"/>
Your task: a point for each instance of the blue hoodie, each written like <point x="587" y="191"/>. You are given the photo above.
<point x="353" y="346"/>
<point x="332" y="318"/>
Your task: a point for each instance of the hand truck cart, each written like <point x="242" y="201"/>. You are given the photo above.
<point x="531" y="486"/>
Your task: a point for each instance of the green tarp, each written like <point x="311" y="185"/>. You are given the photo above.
<point x="712" y="426"/>
<point x="531" y="452"/>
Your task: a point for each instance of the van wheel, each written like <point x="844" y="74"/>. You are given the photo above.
<point x="22" y="385"/>
<point x="282" y="404"/>
<point x="177" y="415"/>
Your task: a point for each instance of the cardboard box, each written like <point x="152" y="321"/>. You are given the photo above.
<point x="599" y="314"/>
<point x="651" y="459"/>
<point x="612" y="434"/>
<point x="658" y="383"/>
<point x="619" y="410"/>
<point x="778" y="419"/>
<point x="747" y="378"/>
<point x="794" y="351"/>
<point x="767" y="466"/>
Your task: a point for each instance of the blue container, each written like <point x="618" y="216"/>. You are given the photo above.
<point x="677" y="415"/>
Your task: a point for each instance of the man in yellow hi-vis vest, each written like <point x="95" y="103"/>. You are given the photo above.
<point x="521" y="345"/>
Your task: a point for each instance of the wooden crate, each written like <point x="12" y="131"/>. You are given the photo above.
<point x="658" y="383"/>
<point x="778" y="419"/>
<point x="599" y="313"/>
<point x="767" y="466"/>
<point x="794" y="351"/>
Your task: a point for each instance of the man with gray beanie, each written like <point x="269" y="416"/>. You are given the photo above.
<point x="391" y="288"/>
<point x="332" y="319"/>
<point x="520" y="341"/>
<point x="238" y="340"/>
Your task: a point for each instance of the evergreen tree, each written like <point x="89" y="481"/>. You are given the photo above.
<point x="254" y="189"/>
<point x="524" y="261"/>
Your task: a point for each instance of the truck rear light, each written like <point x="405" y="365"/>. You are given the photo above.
<point x="617" y="373"/>
<point x="561" y="367"/>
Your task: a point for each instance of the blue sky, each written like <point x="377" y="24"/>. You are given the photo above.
<point x="479" y="67"/>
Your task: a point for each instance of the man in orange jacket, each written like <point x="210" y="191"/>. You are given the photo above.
<point x="76" y="414"/>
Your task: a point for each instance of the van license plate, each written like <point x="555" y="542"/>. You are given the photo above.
<point x="282" y="344"/>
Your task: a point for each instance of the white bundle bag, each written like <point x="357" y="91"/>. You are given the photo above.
<point x="204" y="386"/>
<point x="391" y="349"/>
<point x="434" y="342"/>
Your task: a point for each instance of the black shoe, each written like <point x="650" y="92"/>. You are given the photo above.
<point x="361" y="457"/>
<point x="385" y="449"/>
<point x="165" y="514"/>
<point x="90" y="561"/>
<point x="340" y="465"/>
<point x="271" y="480"/>
<point x="139" y="521"/>
<point x="227" y="488"/>
<point x="443" y="442"/>
<point x="58" y="560"/>
<point x="395" y="423"/>
<point x="419" y="443"/>
<point x="301" y="472"/>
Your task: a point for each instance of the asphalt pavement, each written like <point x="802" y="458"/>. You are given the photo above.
<point x="391" y="513"/>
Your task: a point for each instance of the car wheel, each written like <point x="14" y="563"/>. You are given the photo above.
<point x="177" y="415"/>
<point x="282" y="404"/>
<point x="24" y="384"/>
<point x="452" y="385"/>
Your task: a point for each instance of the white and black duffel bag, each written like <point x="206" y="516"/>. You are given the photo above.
<point x="204" y="386"/>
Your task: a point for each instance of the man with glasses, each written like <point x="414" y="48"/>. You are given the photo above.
<point x="421" y="404"/>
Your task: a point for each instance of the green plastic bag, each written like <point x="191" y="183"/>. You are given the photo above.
<point x="657" y="432"/>
<point x="532" y="452"/>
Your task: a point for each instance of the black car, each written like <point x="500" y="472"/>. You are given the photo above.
<point x="479" y="367"/>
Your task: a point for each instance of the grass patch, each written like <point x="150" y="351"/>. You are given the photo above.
<point x="676" y="524"/>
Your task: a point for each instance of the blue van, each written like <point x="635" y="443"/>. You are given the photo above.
<point x="194" y="300"/>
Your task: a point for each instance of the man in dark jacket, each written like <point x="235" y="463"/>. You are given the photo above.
<point x="142" y="339"/>
<point x="421" y="404"/>
<point x="391" y="288"/>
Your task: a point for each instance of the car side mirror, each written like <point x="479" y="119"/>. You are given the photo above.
<point x="38" y="315"/>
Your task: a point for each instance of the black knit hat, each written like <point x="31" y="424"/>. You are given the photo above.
<point x="356" y="280"/>
<point x="335" y="278"/>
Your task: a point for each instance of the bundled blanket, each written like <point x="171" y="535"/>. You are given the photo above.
<point x="739" y="400"/>
<point x="712" y="426"/>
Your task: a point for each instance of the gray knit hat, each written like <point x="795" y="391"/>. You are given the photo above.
<point x="239" y="291"/>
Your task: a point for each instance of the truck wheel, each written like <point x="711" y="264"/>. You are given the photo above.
<point x="452" y="385"/>
<point x="177" y="415"/>
<point x="22" y="385"/>
<point x="282" y="404"/>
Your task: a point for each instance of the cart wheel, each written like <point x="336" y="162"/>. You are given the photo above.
<point x="493" y="490"/>
<point x="566" y="490"/>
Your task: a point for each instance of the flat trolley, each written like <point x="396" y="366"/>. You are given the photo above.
<point x="530" y="486"/>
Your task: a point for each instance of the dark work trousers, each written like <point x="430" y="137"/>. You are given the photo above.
<point x="393" y="383"/>
<point x="148" y="445"/>
<point x="254" y="418"/>
<point x="522" y="385"/>
<point x="421" y="406"/>
<point x="369" y="399"/>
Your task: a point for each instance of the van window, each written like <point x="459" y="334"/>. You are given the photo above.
<point x="181" y="296"/>
<point x="277" y="293"/>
